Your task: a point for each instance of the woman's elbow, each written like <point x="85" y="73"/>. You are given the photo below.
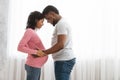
<point x="19" y="48"/>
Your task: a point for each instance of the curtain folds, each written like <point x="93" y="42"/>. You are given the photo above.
<point x="93" y="69"/>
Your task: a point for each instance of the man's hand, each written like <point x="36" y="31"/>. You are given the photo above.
<point x="40" y="53"/>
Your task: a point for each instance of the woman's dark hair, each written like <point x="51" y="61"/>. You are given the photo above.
<point x="50" y="8"/>
<point x="33" y="18"/>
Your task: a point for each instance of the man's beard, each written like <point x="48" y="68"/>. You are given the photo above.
<point x="54" y="22"/>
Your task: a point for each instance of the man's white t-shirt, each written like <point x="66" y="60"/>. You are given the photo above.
<point x="66" y="53"/>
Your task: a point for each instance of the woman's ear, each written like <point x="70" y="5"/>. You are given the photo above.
<point x="36" y="21"/>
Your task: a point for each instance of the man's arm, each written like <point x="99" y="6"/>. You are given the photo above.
<point x="61" y="39"/>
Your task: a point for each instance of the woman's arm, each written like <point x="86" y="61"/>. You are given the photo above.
<point x="23" y="44"/>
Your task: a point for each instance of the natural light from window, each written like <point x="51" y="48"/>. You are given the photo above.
<point x="95" y="25"/>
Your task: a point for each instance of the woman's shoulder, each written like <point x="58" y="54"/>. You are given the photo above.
<point x="29" y="31"/>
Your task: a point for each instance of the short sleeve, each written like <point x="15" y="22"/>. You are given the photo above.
<point x="61" y="29"/>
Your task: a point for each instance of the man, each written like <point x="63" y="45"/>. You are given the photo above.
<point x="61" y="49"/>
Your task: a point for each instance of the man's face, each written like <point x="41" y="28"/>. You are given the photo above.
<point x="50" y="19"/>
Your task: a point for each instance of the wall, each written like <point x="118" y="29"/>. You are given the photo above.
<point x="3" y="35"/>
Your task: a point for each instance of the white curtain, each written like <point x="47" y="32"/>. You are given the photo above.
<point x="96" y="37"/>
<point x="92" y="69"/>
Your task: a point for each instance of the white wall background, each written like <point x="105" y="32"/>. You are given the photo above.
<point x="3" y="30"/>
<point x="3" y="35"/>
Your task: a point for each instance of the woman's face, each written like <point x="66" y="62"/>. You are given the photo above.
<point x="40" y="23"/>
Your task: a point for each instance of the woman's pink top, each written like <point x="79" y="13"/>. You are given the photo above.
<point x="29" y="44"/>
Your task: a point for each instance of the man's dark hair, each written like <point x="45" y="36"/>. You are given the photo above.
<point x="50" y="8"/>
<point x="33" y="18"/>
